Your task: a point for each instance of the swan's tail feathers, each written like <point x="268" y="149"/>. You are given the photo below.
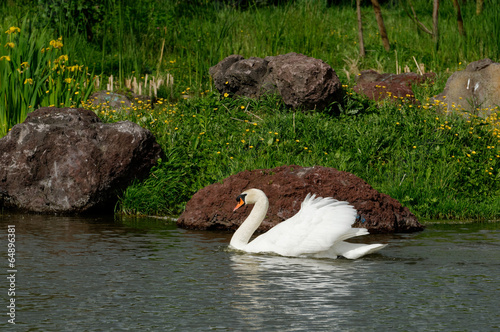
<point x="353" y="232"/>
<point x="356" y="250"/>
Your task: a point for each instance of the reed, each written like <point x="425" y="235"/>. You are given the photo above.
<point x="35" y="72"/>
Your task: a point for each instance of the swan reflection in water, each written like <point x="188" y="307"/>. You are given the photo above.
<point x="291" y="289"/>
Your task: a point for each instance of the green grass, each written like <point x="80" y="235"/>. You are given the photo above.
<point x="439" y="166"/>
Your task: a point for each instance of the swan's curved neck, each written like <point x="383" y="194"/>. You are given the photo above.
<point x="244" y="232"/>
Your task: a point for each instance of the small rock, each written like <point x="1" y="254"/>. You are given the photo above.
<point x="111" y="99"/>
<point x="393" y="87"/>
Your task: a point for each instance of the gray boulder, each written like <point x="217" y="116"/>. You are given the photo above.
<point x="65" y="160"/>
<point x="475" y="90"/>
<point x="302" y="81"/>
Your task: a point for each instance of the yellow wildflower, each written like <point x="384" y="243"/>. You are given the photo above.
<point x="68" y="80"/>
<point x="63" y="57"/>
<point x="10" y="44"/>
<point x="5" y="57"/>
<point x="13" y="30"/>
<point x="57" y="43"/>
<point x="28" y="80"/>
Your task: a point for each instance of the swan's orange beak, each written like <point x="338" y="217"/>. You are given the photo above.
<point x="241" y="202"/>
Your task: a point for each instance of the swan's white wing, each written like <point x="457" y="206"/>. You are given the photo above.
<point x="315" y="228"/>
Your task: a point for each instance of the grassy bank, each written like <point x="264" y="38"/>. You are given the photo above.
<point x="440" y="167"/>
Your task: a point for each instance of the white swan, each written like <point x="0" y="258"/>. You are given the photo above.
<point x="318" y="229"/>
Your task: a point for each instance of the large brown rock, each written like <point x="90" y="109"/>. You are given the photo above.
<point x="302" y="81"/>
<point x="475" y="90"/>
<point x="65" y="160"/>
<point x="392" y="87"/>
<point x="286" y="188"/>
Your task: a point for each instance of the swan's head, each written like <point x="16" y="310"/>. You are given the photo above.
<point x="250" y="196"/>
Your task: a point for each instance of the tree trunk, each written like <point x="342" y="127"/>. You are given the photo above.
<point x="381" y="26"/>
<point x="479" y="6"/>
<point x="435" y="21"/>
<point x="460" y="20"/>
<point x="360" y="29"/>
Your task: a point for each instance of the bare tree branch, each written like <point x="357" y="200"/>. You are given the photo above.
<point x="435" y="23"/>
<point x="360" y="29"/>
<point x="415" y="19"/>
<point x="381" y="26"/>
<point x="460" y="20"/>
<point x="479" y="6"/>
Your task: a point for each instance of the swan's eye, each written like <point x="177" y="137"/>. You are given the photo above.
<point x="241" y="198"/>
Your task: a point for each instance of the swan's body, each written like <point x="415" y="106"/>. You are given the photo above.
<point x="318" y="229"/>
